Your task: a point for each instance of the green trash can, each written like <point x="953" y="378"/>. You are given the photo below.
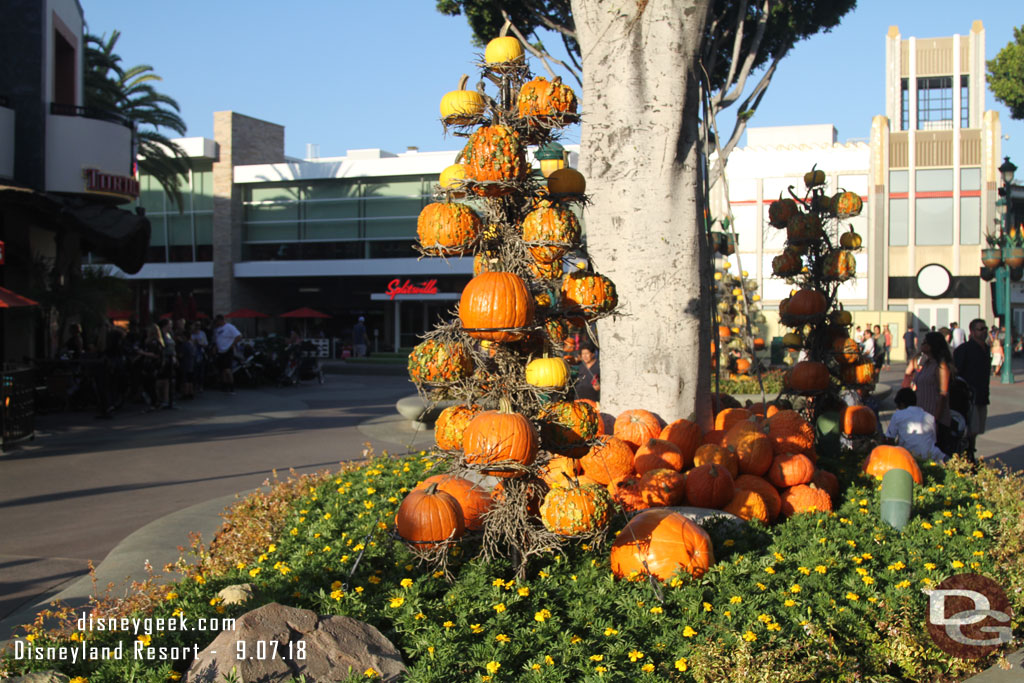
<point x="778" y="351"/>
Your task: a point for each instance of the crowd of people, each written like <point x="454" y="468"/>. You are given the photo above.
<point x="156" y="364"/>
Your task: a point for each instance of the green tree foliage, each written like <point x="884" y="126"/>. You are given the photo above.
<point x="130" y="92"/>
<point x="1006" y="75"/>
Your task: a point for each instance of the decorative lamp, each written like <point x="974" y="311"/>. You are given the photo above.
<point x="551" y="157"/>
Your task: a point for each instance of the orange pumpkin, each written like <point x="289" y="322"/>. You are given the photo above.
<point x="846" y="350"/>
<point x="846" y="204"/>
<point x="567" y="427"/>
<point x="839" y="264"/>
<point x="885" y="458"/>
<point x="709" y="486"/>
<point x="715" y="436"/>
<point x="485" y="262"/>
<point x="495" y="306"/>
<point x="657" y="454"/>
<point x="791" y="433"/>
<point x="808" y="377"/>
<point x="824" y="479"/>
<point x="546" y="100"/>
<point x="428" y="517"/>
<point x="712" y="454"/>
<point x="780" y="211"/>
<point x="575" y="509"/>
<point x="473" y="499"/>
<point x="754" y="450"/>
<point x="609" y="459"/>
<point x="748" y="505"/>
<point x="858" y="421"/>
<point x="589" y="293"/>
<point x="764" y="488"/>
<point x="661" y="542"/>
<point x="636" y="426"/>
<point x="860" y="373"/>
<point x="550" y="232"/>
<point x="447" y="228"/>
<point x="627" y="492"/>
<point x="500" y="436"/>
<point x="790" y="469"/>
<point x="452" y="423"/>
<point x="532" y="491"/>
<point x="805" y="498"/>
<point x="787" y="264"/>
<point x="493" y="155"/>
<point x="730" y="416"/>
<point x="663" y="487"/>
<point x="436" y="362"/>
<point x="806" y="303"/>
<point x="560" y="471"/>
<point x="686" y="436"/>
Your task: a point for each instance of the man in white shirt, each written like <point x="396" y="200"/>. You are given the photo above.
<point x="225" y="336"/>
<point x="913" y="428"/>
<point x="959" y="336"/>
<point x="867" y="347"/>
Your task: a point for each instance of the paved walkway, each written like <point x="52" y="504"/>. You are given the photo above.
<point x="128" y="491"/>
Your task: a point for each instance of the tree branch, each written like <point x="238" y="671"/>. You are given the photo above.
<point x="542" y="55"/>
<point x="730" y="92"/>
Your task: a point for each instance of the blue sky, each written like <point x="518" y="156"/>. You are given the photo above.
<point x="349" y="75"/>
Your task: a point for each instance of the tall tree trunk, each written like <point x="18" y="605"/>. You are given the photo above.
<point x="641" y="157"/>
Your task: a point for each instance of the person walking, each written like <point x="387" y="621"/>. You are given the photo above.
<point x="931" y="382"/>
<point x="225" y="336"/>
<point x="910" y="342"/>
<point x="973" y="360"/>
<point x="360" y="342"/>
<point x="887" y="337"/>
<point x="959" y="336"/>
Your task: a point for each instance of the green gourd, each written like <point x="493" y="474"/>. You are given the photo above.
<point x="827" y="443"/>
<point x="897" y="497"/>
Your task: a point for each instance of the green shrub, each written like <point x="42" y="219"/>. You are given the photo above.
<point x="819" y="597"/>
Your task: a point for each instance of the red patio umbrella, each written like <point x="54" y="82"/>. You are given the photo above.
<point x="304" y="313"/>
<point x="192" y="307"/>
<point x="179" y="311"/>
<point x="251" y="314"/>
<point x="9" y="299"/>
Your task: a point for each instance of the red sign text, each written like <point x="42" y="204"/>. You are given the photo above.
<point x="395" y="287"/>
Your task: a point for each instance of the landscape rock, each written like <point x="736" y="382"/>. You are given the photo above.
<point x="38" y="677"/>
<point x="335" y="648"/>
<point x="236" y="594"/>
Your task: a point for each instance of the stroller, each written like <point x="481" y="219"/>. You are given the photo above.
<point x="304" y="363"/>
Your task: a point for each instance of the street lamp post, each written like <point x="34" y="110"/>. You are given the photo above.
<point x="1006" y="170"/>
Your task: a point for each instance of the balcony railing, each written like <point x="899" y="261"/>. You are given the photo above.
<point x="58" y="109"/>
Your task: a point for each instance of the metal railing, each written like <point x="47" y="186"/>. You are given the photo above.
<point x="58" y="109"/>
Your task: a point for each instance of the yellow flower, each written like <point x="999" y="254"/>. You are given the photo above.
<point x="145" y="639"/>
<point x="337" y="594"/>
<point x="978" y="534"/>
<point x="861" y="571"/>
<point x="79" y="679"/>
<point x="574" y="640"/>
<point x="773" y="627"/>
<point x="327" y="516"/>
<point x="600" y="669"/>
<point x="789" y="603"/>
<point x="728" y="543"/>
<point x="769" y="570"/>
<point x="688" y="632"/>
<point x="524" y="591"/>
<point x="396" y="602"/>
<point x="749" y="636"/>
<point x="448" y="624"/>
<point x="254" y="571"/>
<point x="334" y="586"/>
<point x="903" y="584"/>
<point x="929" y="566"/>
<point x="535" y="666"/>
<point x="371" y="673"/>
<point x="656" y="610"/>
<point x="795" y="588"/>
<point x="359" y="589"/>
<point x="821" y="569"/>
<point x="610" y="631"/>
<point x="852" y="543"/>
<point x="735" y="600"/>
<point x="852" y="596"/>
<point x="172" y="676"/>
<point x="957" y="564"/>
<point x="502" y="638"/>
<point x="596" y="658"/>
<point x="804" y="570"/>
<point x="548" y="660"/>
<point x="707" y="606"/>
<point x="926" y="525"/>
<point x="405" y="583"/>
<point x="635" y="655"/>
<point x="499" y="608"/>
<point x="170" y="595"/>
<point x="764" y="618"/>
<point x="419" y="615"/>
<point x="374" y="579"/>
<point x="647" y="668"/>
<point x="761" y="586"/>
<point x="681" y="664"/>
<point x="896" y="566"/>
<point x="867" y="580"/>
<point x="542" y="615"/>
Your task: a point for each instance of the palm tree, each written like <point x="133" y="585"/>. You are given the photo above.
<point x="130" y="93"/>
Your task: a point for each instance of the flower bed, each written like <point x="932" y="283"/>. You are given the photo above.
<point x="819" y="597"/>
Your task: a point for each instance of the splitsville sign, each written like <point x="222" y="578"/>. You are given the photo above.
<point x="396" y="287"/>
<point x="99" y="182"/>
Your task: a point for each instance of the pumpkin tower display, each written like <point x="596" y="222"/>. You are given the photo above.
<point x="513" y="439"/>
<point x="737" y="311"/>
<point x="818" y="257"/>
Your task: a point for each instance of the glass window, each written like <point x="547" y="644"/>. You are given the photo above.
<point x="385" y="207"/>
<point x="278" y="232"/>
<point x="335" y="189"/>
<point x="934" y="180"/>
<point x="391" y="227"/>
<point x="965" y="108"/>
<point x="151" y="194"/>
<point x="272" y="212"/>
<point x="330" y="230"/>
<point x="904" y="104"/>
<point x="396" y="187"/>
<point x="204" y="228"/>
<point x="970" y="179"/>
<point x="899" y="181"/>
<point x="158" y="233"/>
<point x="968" y="312"/>
<point x="933" y="225"/>
<point x="970" y="220"/>
<point x="202" y="190"/>
<point x="328" y="210"/>
<point x="262" y="193"/>
<point x="746" y="227"/>
<point x="179" y="231"/>
<point x="935" y="103"/>
<point x="899" y="222"/>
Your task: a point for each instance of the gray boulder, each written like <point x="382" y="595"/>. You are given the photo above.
<point x="236" y="594"/>
<point x="332" y="648"/>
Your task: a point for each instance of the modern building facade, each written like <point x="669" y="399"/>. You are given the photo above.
<point x="928" y="175"/>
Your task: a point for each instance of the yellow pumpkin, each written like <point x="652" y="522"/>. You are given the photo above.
<point x="461" y="107"/>
<point x="814" y="177"/>
<point x="547" y="373"/>
<point x="503" y="50"/>
<point x="452" y="177"/>
<point x="850" y="240"/>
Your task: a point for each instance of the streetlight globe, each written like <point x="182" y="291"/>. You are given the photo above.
<point x="1006" y="170"/>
